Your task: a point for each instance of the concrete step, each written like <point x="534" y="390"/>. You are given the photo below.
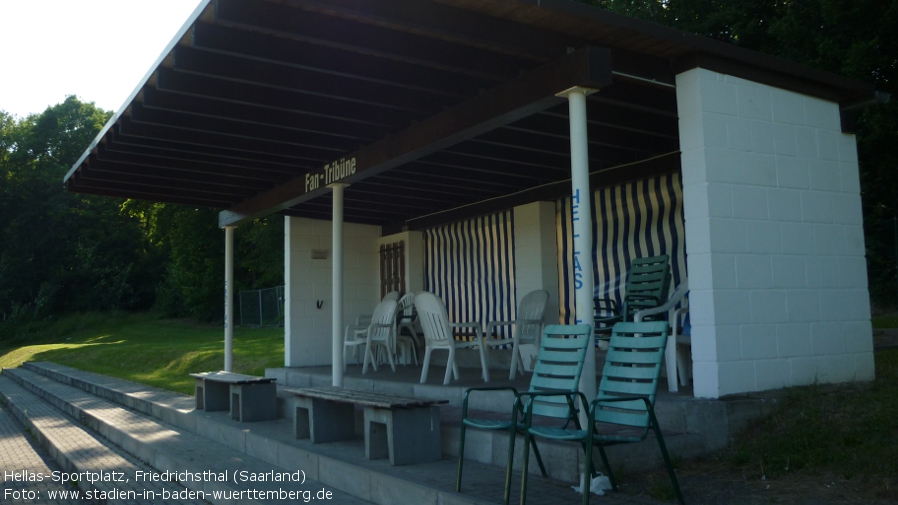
<point x="691" y="427"/>
<point x="342" y="464"/>
<point x="79" y="452"/>
<point x="206" y="467"/>
<point x="20" y="457"/>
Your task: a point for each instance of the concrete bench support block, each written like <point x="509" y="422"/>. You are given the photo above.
<point x="323" y="421"/>
<point x="407" y="436"/>
<point x="254" y="402"/>
<point x="211" y="396"/>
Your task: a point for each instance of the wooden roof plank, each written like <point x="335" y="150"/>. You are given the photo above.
<point x="217" y="140"/>
<point x="336" y="60"/>
<point x="260" y="114"/>
<point x="328" y="145"/>
<point x="255" y="93"/>
<point x="501" y="105"/>
<point x="178" y="150"/>
<point x="334" y="31"/>
<point x="310" y="81"/>
<point x="145" y="165"/>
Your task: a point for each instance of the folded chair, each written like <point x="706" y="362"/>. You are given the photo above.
<point x="559" y="363"/>
<point x="407" y="319"/>
<point x="434" y="319"/>
<point x="527" y="328"/>
<point x="678" y="360"/>
<point x="648" y="282"/>
<point x="625" y="400"/>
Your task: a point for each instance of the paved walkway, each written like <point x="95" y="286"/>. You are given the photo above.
<point x="19" y="455"/>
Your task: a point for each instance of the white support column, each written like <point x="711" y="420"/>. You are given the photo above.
<point x="337" y="286"/>
<point x="581" y="213"/>
<point x="229" y="300"/>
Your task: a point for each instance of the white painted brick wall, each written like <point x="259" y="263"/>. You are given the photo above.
<point x="775" y="238"/>
<point x="536" y="254"/>
<point x="307" y="329"/>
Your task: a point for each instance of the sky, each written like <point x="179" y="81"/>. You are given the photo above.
<point x="99" y="50"/>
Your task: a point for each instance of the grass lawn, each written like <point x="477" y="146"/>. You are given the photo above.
<point x="142" y="348"/>
<point x="824" y="445"/>
<point x="885" y="321"/>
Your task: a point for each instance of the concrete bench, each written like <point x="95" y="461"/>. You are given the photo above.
<point x="403" y="428"/>
<point x="249" y="398"/>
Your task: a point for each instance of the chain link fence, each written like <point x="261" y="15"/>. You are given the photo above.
<point x="262" y="307"/>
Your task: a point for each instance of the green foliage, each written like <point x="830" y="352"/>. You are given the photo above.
<point x="261" y="260"/>
<point x="885" y="321"/>
<point x="195" y="274"/>
<point x="193" y="246"/>
<point x="62" y="251"/>
<point x="59" y="250"/>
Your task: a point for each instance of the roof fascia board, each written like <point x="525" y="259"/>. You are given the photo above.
<point x="199" y="12"/>
<point x="534" y="91"/>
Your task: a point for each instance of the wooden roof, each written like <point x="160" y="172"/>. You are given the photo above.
<point x="432" y="110"/>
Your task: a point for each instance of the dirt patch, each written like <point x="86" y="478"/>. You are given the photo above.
<point x="719" y="480"/>
<point x="717" y="483"/>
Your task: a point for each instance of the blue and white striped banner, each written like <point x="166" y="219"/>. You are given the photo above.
<point x="470" y="265"/>
<point x="632" y="220"/>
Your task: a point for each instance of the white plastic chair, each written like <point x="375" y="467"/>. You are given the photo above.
<point x="527" y="328"/>
<point x="677" y="355"/>
<point x="407" y="319"/>
<point x="354" y="337"/>
<point x="354" y="334"/>
<point x="380" y="332"/>
<point x="437" y="329"/>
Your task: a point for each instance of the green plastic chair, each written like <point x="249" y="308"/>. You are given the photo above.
<point x="559" y="363"/>
<point x="648" y="282"/>
<point x="626" y="399"/>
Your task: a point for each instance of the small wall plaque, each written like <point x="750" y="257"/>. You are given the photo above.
<point x="319" y="254"/>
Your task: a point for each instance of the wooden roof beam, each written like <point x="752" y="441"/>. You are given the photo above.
<point x="321" y="84"/>
<point x="597" y="179"/>
<point x="328" y="145"/>
<point x="175" y="149"/>
<point x="520" y="97"/>
<point x="378" y="41"/>
<point x="250" y="113"/>
<point x="337" y="60"/>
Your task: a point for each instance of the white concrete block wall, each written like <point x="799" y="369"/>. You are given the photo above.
<point x="307" y="328"/>
<point x="775" y="241"/>
<point x="536" y="254"/>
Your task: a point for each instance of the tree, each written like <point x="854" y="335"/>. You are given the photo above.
<point x="191" y="250"/>
<point x="62" y="251"/>
<point x="857" y="39"/>
<point x="59" y="250"/>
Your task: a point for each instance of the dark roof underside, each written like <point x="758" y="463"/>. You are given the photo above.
<point x="257" y="94"/>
